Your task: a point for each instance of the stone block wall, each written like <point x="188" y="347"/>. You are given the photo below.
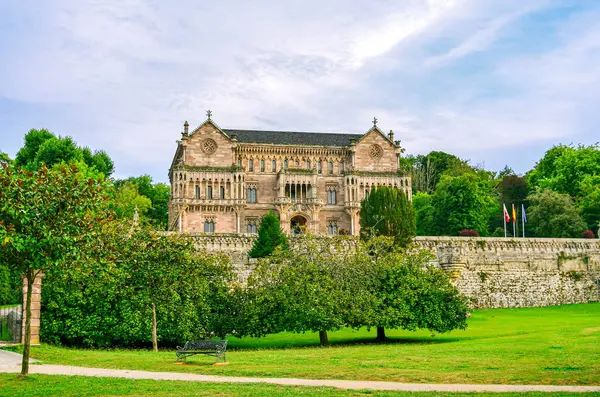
<point x="499" y="272"/>
<point x="492" y="272"/>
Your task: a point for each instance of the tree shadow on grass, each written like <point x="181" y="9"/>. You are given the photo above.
<point x="303" y="342"/>
<point x="363" y="341"/>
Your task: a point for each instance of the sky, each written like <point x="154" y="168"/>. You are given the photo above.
<point x="494" y="82"/>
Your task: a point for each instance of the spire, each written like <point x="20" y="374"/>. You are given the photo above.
<point x="374" y="121"/>
<point x="208" y="113"/>
<point x="185" y="128"/>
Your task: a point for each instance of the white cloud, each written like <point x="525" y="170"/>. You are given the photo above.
<point x="133" y="71"/>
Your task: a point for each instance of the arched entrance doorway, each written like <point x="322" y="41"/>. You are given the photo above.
<point x="298" y="225"/>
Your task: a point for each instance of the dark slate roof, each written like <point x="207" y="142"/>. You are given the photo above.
<point x="293" y="138"/>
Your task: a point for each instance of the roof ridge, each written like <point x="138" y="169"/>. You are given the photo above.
<point x="293" y="132"/>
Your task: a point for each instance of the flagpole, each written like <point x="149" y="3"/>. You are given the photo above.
<point x="504" y="217"/>
<point x="523" y="218"/>
<point x="514" y="219"/>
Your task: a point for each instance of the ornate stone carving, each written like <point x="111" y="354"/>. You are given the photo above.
<point x="375" y="151"/>
<point x="209" y="146"/>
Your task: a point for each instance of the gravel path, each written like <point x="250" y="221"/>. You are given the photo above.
<point x="49" y="369"/>
<point x="10" y="359"/>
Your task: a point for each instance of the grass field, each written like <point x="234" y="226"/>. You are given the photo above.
<point x="553" y="345"/>
<point x="45" y="386"/>
<point x="10" y="306"/>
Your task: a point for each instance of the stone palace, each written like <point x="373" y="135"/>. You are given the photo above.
<point x="225" y="180"/>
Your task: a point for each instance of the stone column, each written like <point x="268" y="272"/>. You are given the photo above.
<point x="36" y="308"/>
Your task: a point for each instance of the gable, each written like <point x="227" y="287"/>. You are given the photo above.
<point x="208" y="146"/>
<point x="375" y="152"/>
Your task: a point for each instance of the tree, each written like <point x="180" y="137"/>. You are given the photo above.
<point x="166" y="269"/>
<point x="554" y="215"/>
<point x="43" y="147"/>
<point x="506" y="171"/>
<point x="159" y="195"/>
<point x="4" y="159"/>
<point x="513" y="189"/>
<point x="423" y="213"/>
<point x="128" y="200"/>
<point x="387" y="211"/>
<point x="318" y="286"/>
<point x="563" y="168"/>
<point x="428" y="170"/>
<point x="462" y="202"/>
<point x="270" y="237"/>
<point x="410" y="293"/>
<point x="589" y="203"/>
<point x="48" y="217"/>
<point x="33" y="141"/>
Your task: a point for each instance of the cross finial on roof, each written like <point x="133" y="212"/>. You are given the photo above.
<point x="374" y="121"/>
<point x="208" y="113"/>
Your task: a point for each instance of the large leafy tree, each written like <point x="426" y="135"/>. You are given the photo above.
<point x="427" y="170"/>
<point x="167" y="269"/>
<point x="554" y="215"/>
<point x="270" y="237"/>
<point x="563" y="169"/>
<point x="318" y="286"/>
<point x="410" y="293"/>
<point x="388" y="212"/>
<point x="513" y="189"/>
<point x="128" y="200"/>
<point x="158" y="194"/>
<point x="43" y="147"/>
<point x="463" y="202"/>
<point x="48" y="217"/>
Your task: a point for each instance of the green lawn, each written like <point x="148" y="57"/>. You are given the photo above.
<point x="553" y="345"/>
<point x="10" y="305"/>
<point x="47" y="385"/>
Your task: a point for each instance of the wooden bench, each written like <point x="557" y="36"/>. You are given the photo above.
<point x="215" y="348"/>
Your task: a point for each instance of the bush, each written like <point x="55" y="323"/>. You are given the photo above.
<point x="109" y="303"/>
<point x="469" y="233"/>
<point x="588" y="234"/>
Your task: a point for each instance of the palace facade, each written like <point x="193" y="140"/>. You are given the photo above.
<point x="225" y="180"/>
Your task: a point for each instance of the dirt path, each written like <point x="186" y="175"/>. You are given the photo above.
<point x="341" y="384"/>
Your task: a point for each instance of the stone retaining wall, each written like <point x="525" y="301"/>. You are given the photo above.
<point x="493" y="272"/>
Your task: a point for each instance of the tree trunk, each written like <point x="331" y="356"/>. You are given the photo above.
<point x="154" y="339"/>
<point x="380" y="334"/>
<point x="27" y="344"/>
<point x="323" y="338"/>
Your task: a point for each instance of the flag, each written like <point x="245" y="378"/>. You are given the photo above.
<point x="506" y="216"/>
<point x="514" y="214"/>
<point x="523" y="213"/>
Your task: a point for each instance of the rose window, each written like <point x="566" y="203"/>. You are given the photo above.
<point x="375" y="151"/>
<point x="209" y="146"/>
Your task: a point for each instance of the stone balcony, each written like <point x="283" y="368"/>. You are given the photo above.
<point x="292" y="201"/>
<point x="352" y="204"/>
<point x="204" y="201"/>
